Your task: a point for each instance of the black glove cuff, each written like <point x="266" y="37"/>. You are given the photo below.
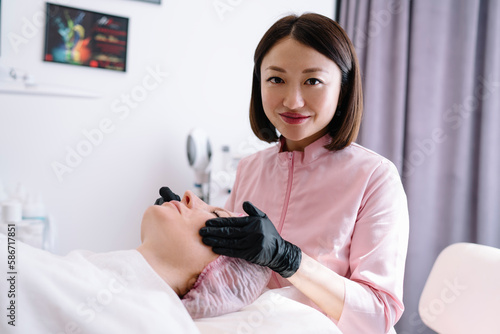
<point x="289" y="262"/>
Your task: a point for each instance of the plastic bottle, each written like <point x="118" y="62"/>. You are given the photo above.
<point x="12" y="211"/>
<point x="34" y="208"/>
<point x="33" y="227"/>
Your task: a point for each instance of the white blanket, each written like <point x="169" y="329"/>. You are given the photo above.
<point x="272" y="313"/>
<point x="118" y="292"/>
<point x="84" y="292"/>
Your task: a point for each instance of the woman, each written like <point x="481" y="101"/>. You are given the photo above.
<point x="209" y="285"/>
<point x="171" y="243"/>
<point x="131" y="291"/>
<point x="340" y="209"/>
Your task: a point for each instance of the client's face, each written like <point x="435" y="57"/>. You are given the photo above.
<point x="171" y="232"/>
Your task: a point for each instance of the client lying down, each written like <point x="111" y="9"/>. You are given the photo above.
<point x="224" y="285"/>
<point x="133" y="291"/>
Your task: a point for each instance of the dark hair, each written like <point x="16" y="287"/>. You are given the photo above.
<point x="328" y="38"/>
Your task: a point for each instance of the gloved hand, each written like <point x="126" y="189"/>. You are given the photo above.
<point x="253" y="238"/>
<point x="166" y="196"/>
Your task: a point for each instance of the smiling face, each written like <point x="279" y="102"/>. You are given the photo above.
<point x="170" y="234"/>
<point x="300" y="91"/>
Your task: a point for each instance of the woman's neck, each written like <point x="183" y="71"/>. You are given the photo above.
<point x="178" y="278"/>
<point x="300" y="145"/>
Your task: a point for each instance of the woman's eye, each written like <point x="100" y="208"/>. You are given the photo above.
<point x="216" y="214"/>
<point x="313" y="81"/>
<point x="275" y="80"/>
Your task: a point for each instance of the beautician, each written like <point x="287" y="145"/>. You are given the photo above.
<point x="327" y="215"/>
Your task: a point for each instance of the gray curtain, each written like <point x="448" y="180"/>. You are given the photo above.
<point x="431" y="72"/>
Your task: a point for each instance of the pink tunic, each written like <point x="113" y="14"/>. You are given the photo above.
<point x="348" y="210"/>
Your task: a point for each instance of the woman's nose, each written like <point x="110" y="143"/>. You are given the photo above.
<point x="293" y="98"/>
<point x="191" y="200"/>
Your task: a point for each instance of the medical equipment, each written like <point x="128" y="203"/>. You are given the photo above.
<point x="199" y="153"/>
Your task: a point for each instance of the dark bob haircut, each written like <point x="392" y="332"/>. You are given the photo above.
<point x="328" y="38"/>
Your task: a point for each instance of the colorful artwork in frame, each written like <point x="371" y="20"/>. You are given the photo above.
<point x="86" y="38"/>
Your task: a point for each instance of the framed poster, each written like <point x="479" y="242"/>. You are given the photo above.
<point x="151" y="1"/>
<point x="86" y="38"/>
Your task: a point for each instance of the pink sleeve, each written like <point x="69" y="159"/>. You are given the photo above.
<point x="374" y="290"/>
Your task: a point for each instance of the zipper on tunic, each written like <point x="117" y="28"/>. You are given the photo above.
<point x="288" y="190"/>
<point x="285" y="205"/>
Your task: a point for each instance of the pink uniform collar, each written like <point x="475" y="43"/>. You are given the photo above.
<point x="312" y="152"/>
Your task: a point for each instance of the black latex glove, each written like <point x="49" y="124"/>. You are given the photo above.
<point x="253" y="238"/>
<point x="166" y="196"/>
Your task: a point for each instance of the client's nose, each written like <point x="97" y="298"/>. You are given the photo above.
<point x="191" y="200"/>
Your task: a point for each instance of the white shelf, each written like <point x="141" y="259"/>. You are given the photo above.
<point x="44" y="89"/>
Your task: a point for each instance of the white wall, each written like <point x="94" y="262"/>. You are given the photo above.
<point x="208" y="55"/>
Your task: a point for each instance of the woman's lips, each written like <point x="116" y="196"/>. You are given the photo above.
<point x="175" y="204"/>
<point x="293" y="118"/>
